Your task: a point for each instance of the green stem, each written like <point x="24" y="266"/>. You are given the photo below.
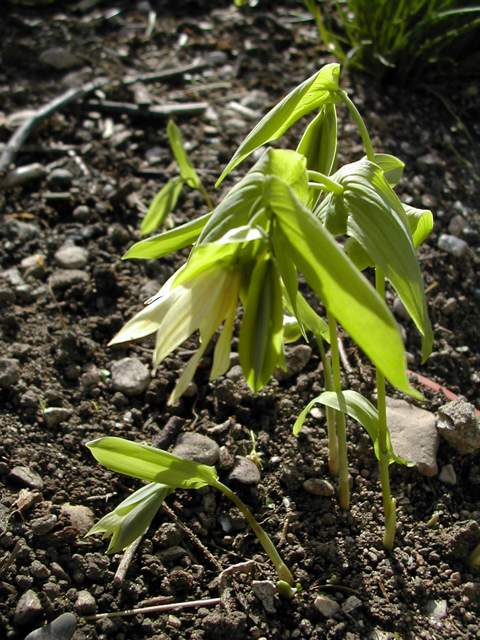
<point x="206" y="197"/>
<point x="343" y="483"/>
<point x="329" y="412"/>
<point x="317" y="179"/>
<point x="383" y="463"/>
<point x="355" y="113"/>
<point x="270" y="549"/>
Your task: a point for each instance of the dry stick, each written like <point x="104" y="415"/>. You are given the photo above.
<point x="155" y="111"/>
<point x="20" y="136"/>
<point x="125" y="562"/>
<point x="210" y="602"/>
<point x="165" y="74"/>
<point x="193" y="538"/>
<point x="22" y="175"/>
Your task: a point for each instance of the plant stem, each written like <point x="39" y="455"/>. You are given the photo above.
<point x="383" y="463"/>
<point x="270" y="549"/>
<point x="343" y="484"/>
<point x="206" y="197"/>
<point x="329" y="412"/>
<point x="362" y="129"/>
<point x="317" y="179"/>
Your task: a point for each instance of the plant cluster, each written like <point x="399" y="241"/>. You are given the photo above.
<point x="294" y="212"/>
<point x="401" y="38"/>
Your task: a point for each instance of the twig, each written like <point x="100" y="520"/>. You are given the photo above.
<point x="125" y="562"/>
<point x="435" y="387"/>
<point x="22" y="175"/>
<point x="210" y="602"/>
<point x="20" y="136"/>
<point x="150" y="602"/>
<point x="193" y="538"/>
<point x="154" y="111"/>
<point x="247" y="567"/>
<point x="165" y="74"/>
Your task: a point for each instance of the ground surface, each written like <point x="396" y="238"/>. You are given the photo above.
<point x="57" y="327"/>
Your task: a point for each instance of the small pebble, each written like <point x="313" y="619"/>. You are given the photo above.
<point x="54" y="416"/>
<point x="453" y="245"/>
<point x="319" y="487"/>
<point x="196" y="447"/>
<point x="326" y="606"/>
<point x="28" y="609"/>
<point x="265" y="591"/>
<point x="9" y="372"/>
<point x="85" y="603"/>
<point x="351" y="603"/>
<point x="130" y="376"/>
<point x="447" y="475"/>
<point x="436" y="609"/>
<point x="62" y="628"/>
<point x="62" y="279"/>
<point x="26" y="477"/>
<point x="71" y="257"/>
<point x="245" y="472"/>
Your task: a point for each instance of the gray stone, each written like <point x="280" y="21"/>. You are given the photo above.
<point x="28" y="609"/>
<point x="414" y="435"/>
<point x="130" y="376"/>
<point x="265" y="591"/>
<point x="296" y="358"/>
<point x="235" y="373"/>
<point x="245" y="471"/>
<point x="26" y="477"/>
<point x="319" y="487"/>
<point x="456" y="225"/>
<point x="62" y="628"/>
<point x="13" y="277"/>
<point x="62" y="279"/>
<point x="56" y="415"/>
<point x="194" y="446"/>
<point x="351" y="603"/>
<point x="60" y="179"/>
<point x="173" y="554"/>
<point x="44" y="524"/>
<point x="79" y="517"/>
<point x="59" y="58"/>
<point x="85" y="603"/>
<point x="447" y="475"/>
<point x="453" y="245"/>
<point x="34" y="265"/>
<point x="459" y="425"/>
<point x="21" y="231"/>
<point x="9" y="372"/>
<point x="436" y="609"/>
<point x="39" y="570"/>
<point x="326" y="606"/>
<point x="71" y="257"/>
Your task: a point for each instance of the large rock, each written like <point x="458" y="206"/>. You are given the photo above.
<point x="459" y="425"/>
<point x="62" y="628"/>
<point x="414" y="435"/>
<point x="130" y="376"/>
<point x="194" y="446"/>
<point x="28" y="608"/>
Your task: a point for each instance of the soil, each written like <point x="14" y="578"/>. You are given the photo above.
<point x="102" y="170"/>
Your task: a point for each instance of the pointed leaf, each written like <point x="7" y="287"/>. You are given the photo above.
<point x="357" y="254"/>
<point x="342" y="288"/>
<point x="319" y="141"/>
<point x="261" y="332"/>
<point x="167" y="242"/>
<point x="162" y="205"/>
<point x="391" y="166"/>
<point x="312" y="94"/>
<point x="187" y="171"/>
<point x="378" y="222"/>
<point x="132" y="517"/>
<point x="420" y="222"/>
<point x="150" y="464"/>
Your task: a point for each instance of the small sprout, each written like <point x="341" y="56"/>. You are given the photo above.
<point x="432" y="523"/>
<point x="254" y="455"/>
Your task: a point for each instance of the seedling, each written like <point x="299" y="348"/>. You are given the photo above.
<point x="280" y="219"/>
<point x="166" y="199"/>
<point x="165" y="473"/>
<point x="254" y="455"/>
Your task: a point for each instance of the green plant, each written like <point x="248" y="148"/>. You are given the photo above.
<point x="404" y="38"/>
<point x="280" y="220"/>
<point x="165" y="473"/>
<point x="166" y="199"/>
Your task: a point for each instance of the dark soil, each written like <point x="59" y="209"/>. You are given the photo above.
<point x="59" y="333"/>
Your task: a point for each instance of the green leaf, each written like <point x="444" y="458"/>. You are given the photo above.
<point x="345" y="292"/>
<point x="167" y="242"/>
<point x="291" y="328"/>
<point x="311" y="320"/>
<point x="261" y="332"/>
<point x="132" y="517"/>
<point x="319" y="141"/>
<point x="150" y="464"/>
<point x="377" y="221"/>
<point x="391" y="166"/>
<point x="187" y="172"/>
<point x="288" y="165"/>
<point x="312" y="94"/>
<point x="361" y="410"/>
<point x="162" y="205"/>
<point x="357" y="254"/>
<point x="420" y="222"/>
<point x="333" y="214"/>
